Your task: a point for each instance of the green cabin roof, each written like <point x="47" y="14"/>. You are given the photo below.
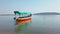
<point x="21" y="12"/>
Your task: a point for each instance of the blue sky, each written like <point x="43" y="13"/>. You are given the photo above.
<point x="34" y="6"/>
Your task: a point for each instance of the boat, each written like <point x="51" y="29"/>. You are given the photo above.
<point x="23" y="17"/>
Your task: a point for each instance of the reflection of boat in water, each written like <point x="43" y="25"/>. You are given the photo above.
<point x="21" y="26"/>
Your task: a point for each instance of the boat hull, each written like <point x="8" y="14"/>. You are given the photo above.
<point x="23" y="20"/>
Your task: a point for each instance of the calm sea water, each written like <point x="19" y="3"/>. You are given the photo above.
<point x="41" y="24"/>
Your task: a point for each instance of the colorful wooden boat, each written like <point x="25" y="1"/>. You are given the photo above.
<point x="23" y="18"/>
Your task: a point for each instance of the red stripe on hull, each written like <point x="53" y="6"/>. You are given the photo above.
<point x="23" y="20"/>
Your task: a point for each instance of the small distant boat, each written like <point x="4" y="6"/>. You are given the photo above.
<point x="23" y="17"/>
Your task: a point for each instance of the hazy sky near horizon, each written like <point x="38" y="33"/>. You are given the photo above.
<point x="34" y="6"/>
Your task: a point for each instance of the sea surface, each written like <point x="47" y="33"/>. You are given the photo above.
<point x="40" y="24"/>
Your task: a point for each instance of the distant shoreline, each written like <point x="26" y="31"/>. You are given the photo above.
<point x="6" y="14"/>
<point x="47" y="13"/>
